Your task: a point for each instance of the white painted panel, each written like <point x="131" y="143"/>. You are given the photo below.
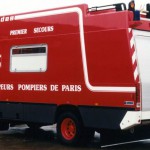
<point x="142" y="40"/>
<point x="29" y="63"/>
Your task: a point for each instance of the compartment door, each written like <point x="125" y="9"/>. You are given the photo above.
<point x="142" y="43"/>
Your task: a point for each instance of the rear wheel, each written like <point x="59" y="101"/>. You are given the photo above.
<point x="69" y="129"/>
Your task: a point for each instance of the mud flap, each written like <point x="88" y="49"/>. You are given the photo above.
<point x="117" y="137"/>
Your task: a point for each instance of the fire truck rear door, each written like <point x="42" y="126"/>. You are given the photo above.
<point x="142" y="43"/>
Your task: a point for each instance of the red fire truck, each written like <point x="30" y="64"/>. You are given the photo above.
<point x="84" y="69"/>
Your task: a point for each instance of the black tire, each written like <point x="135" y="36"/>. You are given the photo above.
<point x="69" y="129"/>
<point x="4" y="126"/>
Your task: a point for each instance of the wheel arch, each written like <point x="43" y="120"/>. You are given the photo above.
<point x="68" y="108"/>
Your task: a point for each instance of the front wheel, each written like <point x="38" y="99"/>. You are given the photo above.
<point x="69" y="129"/>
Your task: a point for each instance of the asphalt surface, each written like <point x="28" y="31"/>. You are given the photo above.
<point x="23" y="138"/>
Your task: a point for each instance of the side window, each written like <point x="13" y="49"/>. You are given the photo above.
<point x="29" y="58"/>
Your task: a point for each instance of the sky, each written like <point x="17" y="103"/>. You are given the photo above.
<point x="8" y="7"/>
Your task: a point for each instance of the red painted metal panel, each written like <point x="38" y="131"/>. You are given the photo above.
<point x="107" y="52"/>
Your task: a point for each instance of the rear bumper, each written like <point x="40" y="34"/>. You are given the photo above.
<point x="134" y="118"/>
